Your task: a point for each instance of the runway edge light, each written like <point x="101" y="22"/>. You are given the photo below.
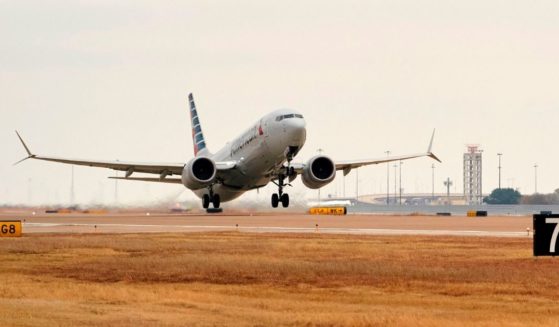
<point x="10" y="228"/>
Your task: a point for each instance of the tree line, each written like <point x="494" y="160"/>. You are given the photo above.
<point x="511" y="196"/>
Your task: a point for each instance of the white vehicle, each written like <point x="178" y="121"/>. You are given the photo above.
<point x="260" y="155"/>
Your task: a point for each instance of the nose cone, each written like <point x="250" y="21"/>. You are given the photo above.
<point x="296" y="131"/>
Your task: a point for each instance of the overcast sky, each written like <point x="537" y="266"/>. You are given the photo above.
<point x="109" y="79"/>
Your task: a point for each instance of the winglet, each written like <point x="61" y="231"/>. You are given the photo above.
<point x="431" y="142"/>
<point x="429" y="152"/>
<point x="29" y="154"/>
<point x="24" y="145"/>
<point x="432" y="155"/>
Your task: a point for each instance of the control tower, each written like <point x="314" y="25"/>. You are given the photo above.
<point x="472" y="175"/>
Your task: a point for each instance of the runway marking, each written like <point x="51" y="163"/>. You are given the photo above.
<point x="263" y="229"/>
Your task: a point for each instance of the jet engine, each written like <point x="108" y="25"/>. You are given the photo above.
<point x="318" y="172"/>
<point x="198" y="173"/>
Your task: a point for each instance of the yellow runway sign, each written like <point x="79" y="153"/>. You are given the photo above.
<point x="328" y="211"/>
<point x="10" y="228"/>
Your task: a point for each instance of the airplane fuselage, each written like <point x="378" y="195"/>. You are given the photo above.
<point x="259" y="151"/>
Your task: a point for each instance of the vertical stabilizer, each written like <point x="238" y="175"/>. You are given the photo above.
<point x="197" y="136"/>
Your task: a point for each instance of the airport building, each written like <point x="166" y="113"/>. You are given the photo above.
<point x="472" y="175"/>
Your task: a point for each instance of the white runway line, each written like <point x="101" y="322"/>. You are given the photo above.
<point x="132" y="228"/>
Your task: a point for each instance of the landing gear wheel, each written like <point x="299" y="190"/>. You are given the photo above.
<point x="290" y="174"/>
<point x="205" y="201"/>
<point x="216" y="201"/>
<point x="275" y="200"/>
<point x="285" y="200"/>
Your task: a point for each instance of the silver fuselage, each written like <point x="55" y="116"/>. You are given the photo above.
<point x="259" y="151"/>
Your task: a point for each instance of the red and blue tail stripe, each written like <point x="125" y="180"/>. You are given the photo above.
<point x="197" y="135"/>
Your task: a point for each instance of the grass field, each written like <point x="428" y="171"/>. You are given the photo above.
<point x="270" y="279"/>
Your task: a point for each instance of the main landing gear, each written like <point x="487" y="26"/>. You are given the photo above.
<point x="212" y="198"/>
<point x="280" y="196"/>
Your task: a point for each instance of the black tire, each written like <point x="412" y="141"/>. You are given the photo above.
<point x="216" y="201"/>
<point x="206" y="201"/>
<point x="275" y="200"/>
<point x="285" y="200"/>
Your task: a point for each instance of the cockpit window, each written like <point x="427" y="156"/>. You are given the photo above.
<point x="280" y="118"/>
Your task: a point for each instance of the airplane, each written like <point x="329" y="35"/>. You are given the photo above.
<point x="262" y="154"/>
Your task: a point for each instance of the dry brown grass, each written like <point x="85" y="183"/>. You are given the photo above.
<point x="266" y="279"/>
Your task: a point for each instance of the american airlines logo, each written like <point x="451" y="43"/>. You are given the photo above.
<point x="246" y="139"/>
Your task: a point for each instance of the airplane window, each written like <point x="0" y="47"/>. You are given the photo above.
<point x="279" y="118"/>
<point x="289" y="116"/>
<point x="298" y="116"/>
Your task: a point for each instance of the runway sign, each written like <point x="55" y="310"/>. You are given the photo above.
<point x="328" y="211"/>
<point x="546" y="230"/>
<point x="10" y="228"/>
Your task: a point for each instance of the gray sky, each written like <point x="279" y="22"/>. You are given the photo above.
<point x="108" y="80"/>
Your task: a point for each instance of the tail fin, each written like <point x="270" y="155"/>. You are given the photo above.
<point x="197" y="135"/>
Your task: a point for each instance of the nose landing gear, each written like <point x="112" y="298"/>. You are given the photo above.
<point x="280" y="196"/>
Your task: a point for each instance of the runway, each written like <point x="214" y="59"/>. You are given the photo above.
<point x="274" y="223"/>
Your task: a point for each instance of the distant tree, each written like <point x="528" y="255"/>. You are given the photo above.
<point x="538" y="198"/>
<point x="503" y="196"/>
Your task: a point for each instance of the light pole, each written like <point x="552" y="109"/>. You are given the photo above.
<point x="116" y="187"/>
<point x="395" y="182"/>
<point x="387" y="178"/>
<point x="536" y="178"/>
<point x="357" y="184"/>
<point x="448" y="184"/>
<point x="499" y="154"/>
<point x="400" y="179"/>
<point x="72" y="199"/>
<point x="344" y="185"/>
<point x="433" y="183"/>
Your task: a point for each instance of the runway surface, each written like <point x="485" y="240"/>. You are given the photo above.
<point x="141" y="222"/>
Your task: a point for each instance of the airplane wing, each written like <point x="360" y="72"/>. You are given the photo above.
<point x="348" y="165"/>
<point x="161" y="169"/>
